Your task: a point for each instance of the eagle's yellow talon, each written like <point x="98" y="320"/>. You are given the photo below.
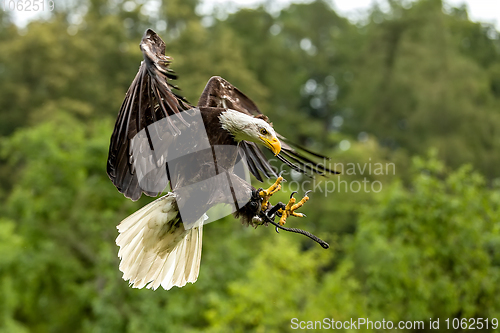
<point x="290" y="208"/>
<point x="298" y="214"/>
<point x="266" y="194"/>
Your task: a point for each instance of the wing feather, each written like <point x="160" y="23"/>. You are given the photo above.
<point x="222" y="94"/>
<point x="148" y="99"/>
<point x="251" y="164"/>
<point x="256" y="158"/>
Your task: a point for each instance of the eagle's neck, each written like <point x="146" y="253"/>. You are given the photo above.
<point x="238" y="124"/>
<point x="217" y="135"/>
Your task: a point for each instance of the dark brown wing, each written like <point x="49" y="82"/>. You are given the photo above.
<point x="256" y="161"/>
<point x="149" y="99"/>
<point x="220" y="93"/>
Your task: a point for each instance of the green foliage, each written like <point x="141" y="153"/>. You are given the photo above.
<point x="426" y="80"/>
<point x="426" y="245"/>
<point x="431" y="250"/>
<point x="273" y="289"/>
<point x="10" y="250"/>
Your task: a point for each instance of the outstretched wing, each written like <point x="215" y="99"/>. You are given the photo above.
<point x="149" y="99"/>
<point x="220" y="93"/>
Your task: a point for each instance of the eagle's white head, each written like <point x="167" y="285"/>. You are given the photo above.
<point x="248" y="128"/>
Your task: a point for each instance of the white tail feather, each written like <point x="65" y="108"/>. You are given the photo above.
<point x="155" y="249"/>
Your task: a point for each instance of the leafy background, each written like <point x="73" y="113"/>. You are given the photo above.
<point x="417" y="86"/>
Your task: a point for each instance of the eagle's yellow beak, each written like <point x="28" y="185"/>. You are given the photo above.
<point x="273" y="144"/>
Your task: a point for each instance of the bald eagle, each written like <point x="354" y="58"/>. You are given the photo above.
<point x="160" y="139"/>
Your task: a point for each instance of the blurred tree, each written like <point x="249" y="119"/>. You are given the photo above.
<point x="426" y="252"/>
<point x="58" y="60"/>
<point x="426" y="78"/>
<point x="431" y="251"/>
<point x="10" y="251"/>
<point x="317" y="45"/>
<point x="63" y="209"/>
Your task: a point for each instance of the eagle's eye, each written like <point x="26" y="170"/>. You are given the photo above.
<point x="263" y="131"/>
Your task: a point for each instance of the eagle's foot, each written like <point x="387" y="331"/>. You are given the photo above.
<point x="291" y="206"/>
<point x="266" y="194"/>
